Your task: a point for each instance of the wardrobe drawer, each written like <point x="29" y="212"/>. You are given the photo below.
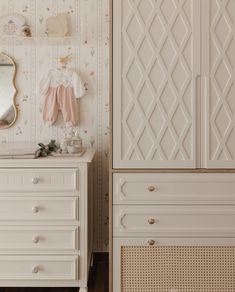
<point x="174" y="221"/>
<point x="38" y="267"/>
<point x="174" y="265"/>
<point x="174" y="188"/>
<point x="37" y="180"/>
<point x="36" y="210"/>
<point x="38" y="238"/>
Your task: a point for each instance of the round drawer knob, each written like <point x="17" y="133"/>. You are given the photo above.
<point x="35" y="209"/>
<point x="35" y="239"/>
<point x="151" y="189"/>
<point x="34" y="269"/>
<point x="151" y="221"/>
<point x="151" y="242"/>
<point x="35" y="180"/>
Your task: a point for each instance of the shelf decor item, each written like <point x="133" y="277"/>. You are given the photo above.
<point x="12" y="24"/>
<point x="26" y="31"/>
<point x="57" y="26"/>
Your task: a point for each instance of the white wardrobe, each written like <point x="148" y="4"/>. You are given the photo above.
<point x="173" y="146"/>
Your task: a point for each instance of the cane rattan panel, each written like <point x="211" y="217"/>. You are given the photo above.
<point x="178" y="269"/>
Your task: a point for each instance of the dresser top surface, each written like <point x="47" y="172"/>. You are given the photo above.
<point x="50" y="161"/>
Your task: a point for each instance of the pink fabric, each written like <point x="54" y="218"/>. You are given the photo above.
<point x="60" y="99"/>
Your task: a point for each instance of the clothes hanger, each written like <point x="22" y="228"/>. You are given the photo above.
<point x="63" y="60"/>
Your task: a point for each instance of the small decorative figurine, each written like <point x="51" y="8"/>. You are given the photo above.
<point x="71" y="143"/>
<point x="25" y="31"/>
<point x="63" y="147"/>
<point x="65" y="141"/>
<point x="11" y="25"/>
<point x="75" y="144"/>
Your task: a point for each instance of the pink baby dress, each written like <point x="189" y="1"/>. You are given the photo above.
<point x="60" y="89"/>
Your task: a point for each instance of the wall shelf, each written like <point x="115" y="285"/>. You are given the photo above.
<point x="40" y="41"/>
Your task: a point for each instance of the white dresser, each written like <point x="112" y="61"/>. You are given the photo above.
<point x="172" y="176"/>
<point x="46" y="221"/>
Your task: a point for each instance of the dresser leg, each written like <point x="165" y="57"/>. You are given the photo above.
<point x="92" y="261"/>
<point x="83" y="289"/>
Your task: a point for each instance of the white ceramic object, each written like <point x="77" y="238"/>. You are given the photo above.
<point x="75" y="144"/>
<point x="57" y="26"/>
<point x="12" y="24"/>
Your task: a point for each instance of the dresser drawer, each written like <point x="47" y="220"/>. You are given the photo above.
<point x="28" y="239"/>
<point x="38" y="180"/>
<point x="174" y="221"/>
<point x="173" y="188"/>
<point x="36" y="210"/>
<point x="38" y="267"/>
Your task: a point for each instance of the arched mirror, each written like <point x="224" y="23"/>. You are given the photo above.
<point x="8" y="111"/>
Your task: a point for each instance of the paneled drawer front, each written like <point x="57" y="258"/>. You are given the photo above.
<point x="37" y="180"/>
<point x="38" y="267"/>
<point x="36" y="210"/>
<point x="174" y="221"/>
<point x="173" y="188"/>
<point x="38" y="238"/>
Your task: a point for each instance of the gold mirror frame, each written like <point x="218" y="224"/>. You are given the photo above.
<point x="15" y="92"/>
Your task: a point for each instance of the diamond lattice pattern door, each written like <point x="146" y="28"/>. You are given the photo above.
<point x="220" y="107"/>
<point x="156" y="63"/>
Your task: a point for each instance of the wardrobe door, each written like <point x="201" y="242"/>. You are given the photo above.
<point x="219" y="85"/>
<point x="156" y="62"/>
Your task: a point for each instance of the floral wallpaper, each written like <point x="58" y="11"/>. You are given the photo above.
<point x="89" y="48"/>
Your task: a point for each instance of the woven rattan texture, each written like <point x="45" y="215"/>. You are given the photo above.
<point x="178" y="269"/>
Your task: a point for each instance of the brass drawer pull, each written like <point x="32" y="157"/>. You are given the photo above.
<point x="151" y="242"/>
<point x="151" y="221"/>
<point x="151" y="189"/>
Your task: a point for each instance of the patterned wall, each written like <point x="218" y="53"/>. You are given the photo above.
<point x="89" y="25"/>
